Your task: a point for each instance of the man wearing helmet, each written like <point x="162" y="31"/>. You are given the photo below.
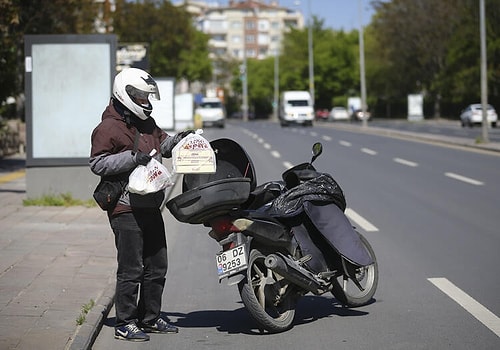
<point x="123" y="139"/>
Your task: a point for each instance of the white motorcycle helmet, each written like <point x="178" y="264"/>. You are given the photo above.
<point x="133" y="87"/>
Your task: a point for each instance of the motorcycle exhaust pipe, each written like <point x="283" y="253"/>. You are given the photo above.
<point x="278" y="265"/>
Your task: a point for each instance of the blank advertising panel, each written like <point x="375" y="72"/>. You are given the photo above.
<point x="68" y="85"/>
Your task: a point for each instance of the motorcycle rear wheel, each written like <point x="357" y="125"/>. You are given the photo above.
<point x="259" y="293"/>
<point x="347" y="292"/>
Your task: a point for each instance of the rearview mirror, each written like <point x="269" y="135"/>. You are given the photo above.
<point x="317" y="149"/>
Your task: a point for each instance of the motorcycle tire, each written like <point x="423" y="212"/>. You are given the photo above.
<point x="347" y="292"/>
<point x="259" y="293"/>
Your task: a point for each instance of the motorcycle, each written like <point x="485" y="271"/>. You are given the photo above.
<point x="280" y="240"/>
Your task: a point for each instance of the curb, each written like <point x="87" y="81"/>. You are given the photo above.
<point x="86" y="334"/>
<point x="423" y="137"/>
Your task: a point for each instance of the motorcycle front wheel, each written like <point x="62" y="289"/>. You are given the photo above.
<point x="268" y="298"/>
<point x="347" y="290"/>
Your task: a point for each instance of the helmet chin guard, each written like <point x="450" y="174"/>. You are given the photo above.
<point x="134" y="87"/>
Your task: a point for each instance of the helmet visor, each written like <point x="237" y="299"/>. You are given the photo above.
<point x="141" y="97"/>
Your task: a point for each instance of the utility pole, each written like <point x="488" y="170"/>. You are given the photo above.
<point x="245" y="84"/>
<point x="362" y="68"/>
<point x="484" y="79"/>
<point x="276" y="82"/>
<point x="311" y="58"/>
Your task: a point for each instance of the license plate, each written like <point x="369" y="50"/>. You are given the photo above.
<point x="231" y="261"/>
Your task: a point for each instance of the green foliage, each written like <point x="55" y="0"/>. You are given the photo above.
<point x="336" y="68"/>
<point x="84" y="311"/>
<point x="177" y="48"/>
<point x="436" y="45"/>
<point x="61" y="200"/>
<point x="18" y="18"/>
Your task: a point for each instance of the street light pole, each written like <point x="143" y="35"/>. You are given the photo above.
<point x="484" y="84"/>
<point x="362" y="68"/>
<point x="245" y="83"/>
<point x="276" y="82"/>
<point x="311" y="58"/>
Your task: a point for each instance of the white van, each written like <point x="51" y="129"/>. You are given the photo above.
<point x="296" y="107"/>
<point x="212" y="112"/>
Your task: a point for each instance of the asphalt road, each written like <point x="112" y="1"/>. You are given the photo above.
<point x="431" y="215"/>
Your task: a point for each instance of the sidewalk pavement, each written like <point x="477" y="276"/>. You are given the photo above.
<point x="56" y="261"/>
<point x="53" y="261"/>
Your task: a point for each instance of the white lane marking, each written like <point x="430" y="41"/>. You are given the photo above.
<point x="485" y="316"/>
<point x="368" y="151"/>
<point x="287" y="165"/>
<point x="314" y="133"/>
<point x="464" y="179"/>
<point x="275" y="154"/>
<point x="267" y="146"/>
<point x="360" y="221"/>
<point x="345" y="143"/>
<point x="326" y="138"/>
<point x="405" y="162"/>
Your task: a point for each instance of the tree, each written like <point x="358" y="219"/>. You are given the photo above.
<point x="416" y="34"/>
<point x="461" y="79"/>
<point x="177" y="48"/>
<point x="20" y="17"/>
<point x="336" y="64"/>
<point x="436" y="45"/>
<point x="336" y="67"/>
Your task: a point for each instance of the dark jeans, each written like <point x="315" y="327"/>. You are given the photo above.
<point x="142" y="265"/>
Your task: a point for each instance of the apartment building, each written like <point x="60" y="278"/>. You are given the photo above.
<point x="250" y="27"/>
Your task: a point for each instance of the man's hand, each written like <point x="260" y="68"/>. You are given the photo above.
<point x="169" y="143"/>
<point x="179" y="136"/>
<point x="141" y="158"/>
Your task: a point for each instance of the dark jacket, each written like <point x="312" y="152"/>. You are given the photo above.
<point x="112" y="151"/>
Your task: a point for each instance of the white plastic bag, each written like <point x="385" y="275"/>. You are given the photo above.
<point x="193" y="155"/>
<point x="149" y="178"/>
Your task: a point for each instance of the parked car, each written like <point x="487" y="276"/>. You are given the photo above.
<point x="358" y="115"/>
<point x="339" y="113"/>
<point x="473" y="114"/>
<point x="212" y="112"/>
<point x="322" y="114"/>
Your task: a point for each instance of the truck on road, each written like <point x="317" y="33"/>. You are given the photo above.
<point x="296" y="107"/>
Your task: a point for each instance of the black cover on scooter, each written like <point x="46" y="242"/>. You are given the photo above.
<point x="323" y="201"/>
<point x="323" y="188"/>
<point x="332" y="223"/>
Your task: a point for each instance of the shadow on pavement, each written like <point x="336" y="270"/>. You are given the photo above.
<point x="309" y="309"/>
